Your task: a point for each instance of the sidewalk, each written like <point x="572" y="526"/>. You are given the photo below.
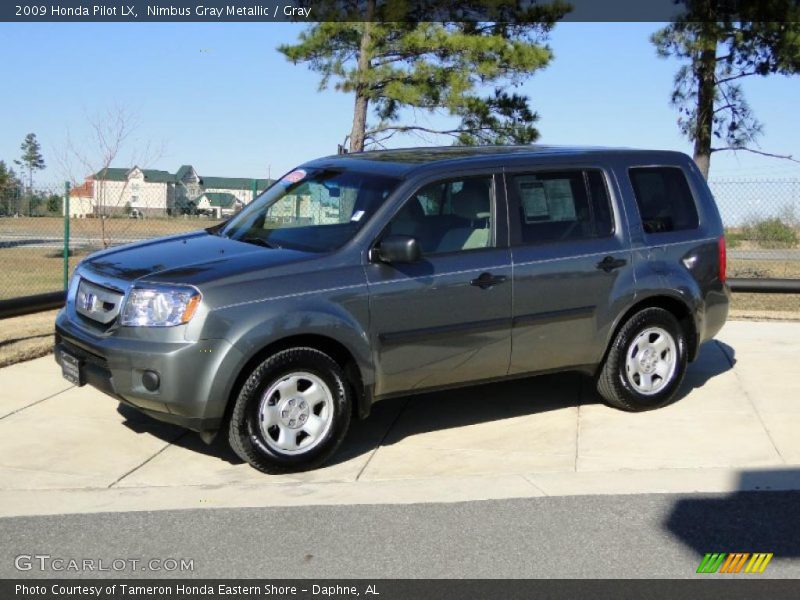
<point x="736" y="426"/>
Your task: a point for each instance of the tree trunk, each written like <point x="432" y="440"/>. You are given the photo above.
<point x="705" y="70"/>
<point x="359" y="123"/>
<point x="357" y="133"/>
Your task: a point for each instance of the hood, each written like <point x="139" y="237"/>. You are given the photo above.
<point x="192" y="258"/>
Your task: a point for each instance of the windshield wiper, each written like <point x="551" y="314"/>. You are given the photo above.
<point x="260" y="242"/>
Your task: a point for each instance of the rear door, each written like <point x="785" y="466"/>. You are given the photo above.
<point x="572" y="265"/>
<point x="447" y="318"/>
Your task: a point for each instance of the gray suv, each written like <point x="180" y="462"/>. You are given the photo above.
<point x="360" y="277"/>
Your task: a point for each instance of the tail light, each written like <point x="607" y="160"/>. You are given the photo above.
<point x="723" y="260"/>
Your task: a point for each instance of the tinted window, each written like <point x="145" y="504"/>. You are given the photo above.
<point x="448" y="216"/>
<point x="563" y="205"/>
<point x="664" y="199"/>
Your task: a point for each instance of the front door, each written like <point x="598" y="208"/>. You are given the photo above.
<point x="447" y="318"/>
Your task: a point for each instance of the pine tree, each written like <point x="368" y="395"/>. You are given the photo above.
<point x="32" y="159"/>
<point x="5" y="177"/>
<point x="722" y="43"/>
<point x="389" y="64"/>
<point x="9" y="189"/>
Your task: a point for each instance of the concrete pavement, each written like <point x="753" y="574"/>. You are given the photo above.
<point x="66" y="449"/>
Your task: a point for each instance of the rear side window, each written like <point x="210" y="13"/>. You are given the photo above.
<point x="664" y="199"/>
<point x="561" y="205"/>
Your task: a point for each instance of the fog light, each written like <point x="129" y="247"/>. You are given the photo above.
<point x="151" y="381"/>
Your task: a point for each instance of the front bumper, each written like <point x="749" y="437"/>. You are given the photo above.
<point x="195" y="377"/>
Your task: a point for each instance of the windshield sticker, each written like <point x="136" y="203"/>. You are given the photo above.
<point x="357" y="216"/>
<point x="294" y="176"/>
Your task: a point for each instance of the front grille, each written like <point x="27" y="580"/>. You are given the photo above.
<point x="97" y="303"/>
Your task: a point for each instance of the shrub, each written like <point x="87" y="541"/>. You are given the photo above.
<point x="772" y="233"/>
<point x="733" y="238"/>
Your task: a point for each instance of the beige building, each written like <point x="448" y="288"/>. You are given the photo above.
<point x="152" y="192"/>
<point x="81" y="199"/>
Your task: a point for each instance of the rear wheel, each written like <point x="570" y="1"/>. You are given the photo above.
<point x="646" y="362"/>
<point x="292" y="412"/>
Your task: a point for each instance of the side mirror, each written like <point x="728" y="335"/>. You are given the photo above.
<point x="398" y="249"/>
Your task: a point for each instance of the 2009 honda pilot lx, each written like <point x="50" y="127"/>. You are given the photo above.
<point x="359" y="277"/>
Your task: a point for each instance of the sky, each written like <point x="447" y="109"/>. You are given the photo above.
<point x="220" y="97"/>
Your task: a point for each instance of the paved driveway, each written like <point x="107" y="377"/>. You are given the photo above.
<point x="736" y="426"/>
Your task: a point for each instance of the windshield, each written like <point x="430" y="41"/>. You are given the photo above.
<point x="315" y="210"/>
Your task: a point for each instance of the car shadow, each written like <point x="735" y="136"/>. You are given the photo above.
<point x="714" y="359"/>
<point x="177" y="436"/>
<point x="760" y="516"/>
<point x="392" y="420"/>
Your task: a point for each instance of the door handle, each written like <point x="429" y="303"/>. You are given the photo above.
<point x="487" y="280"/>
<point x="609" y="263"/>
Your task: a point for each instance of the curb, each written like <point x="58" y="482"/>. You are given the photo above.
<point x="18" y="503"/>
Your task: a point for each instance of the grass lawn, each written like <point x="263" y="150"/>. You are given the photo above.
<point x="26" y="337"/>
<point x="116" y="227"/>
<point x="25" y="271"/>
<point x="28" y="271"/>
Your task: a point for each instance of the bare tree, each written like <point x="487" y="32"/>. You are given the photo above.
<point x="109" y="134"/>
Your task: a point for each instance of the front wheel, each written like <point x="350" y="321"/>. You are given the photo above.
<point x="646" y="362"/>
<point x="292" y="413"/>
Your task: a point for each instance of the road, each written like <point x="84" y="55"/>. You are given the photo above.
<point x="631" y="536"/>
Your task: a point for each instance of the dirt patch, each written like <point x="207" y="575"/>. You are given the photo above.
<point x="26" y="337"/>
<point x="763" y="315"/>
<point x="764" y="269"/>
<point x="766" y="303"/>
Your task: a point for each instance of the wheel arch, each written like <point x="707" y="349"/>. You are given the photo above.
<point x="673" y="304"/>
<point x="334" y="348"/>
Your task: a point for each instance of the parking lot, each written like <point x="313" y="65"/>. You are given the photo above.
<point x="71" y="450"/>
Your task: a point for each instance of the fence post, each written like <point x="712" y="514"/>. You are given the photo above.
<point x="66" y="234"/>
<point x="254" y="190"/>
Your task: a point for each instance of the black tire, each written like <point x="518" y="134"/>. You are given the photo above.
<point x="245" y="432"/>
<point x="613" y="383"/>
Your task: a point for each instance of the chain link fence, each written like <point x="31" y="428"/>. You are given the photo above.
<point x="762" y="226"/>
<point x="33" y="228"/>
<point x="761" y="219"/>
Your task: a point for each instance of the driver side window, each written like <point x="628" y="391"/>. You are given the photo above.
<point x="448" y="216"/>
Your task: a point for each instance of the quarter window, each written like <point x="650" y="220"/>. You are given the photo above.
<point x="448" y="216"/>
<point x="561" y="205"/>
<point x="664" y="199"/>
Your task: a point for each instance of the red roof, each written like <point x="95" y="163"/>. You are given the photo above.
<point x="86" y="190"/>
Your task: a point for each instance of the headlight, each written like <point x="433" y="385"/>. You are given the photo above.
<point x="160" y="306"/>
